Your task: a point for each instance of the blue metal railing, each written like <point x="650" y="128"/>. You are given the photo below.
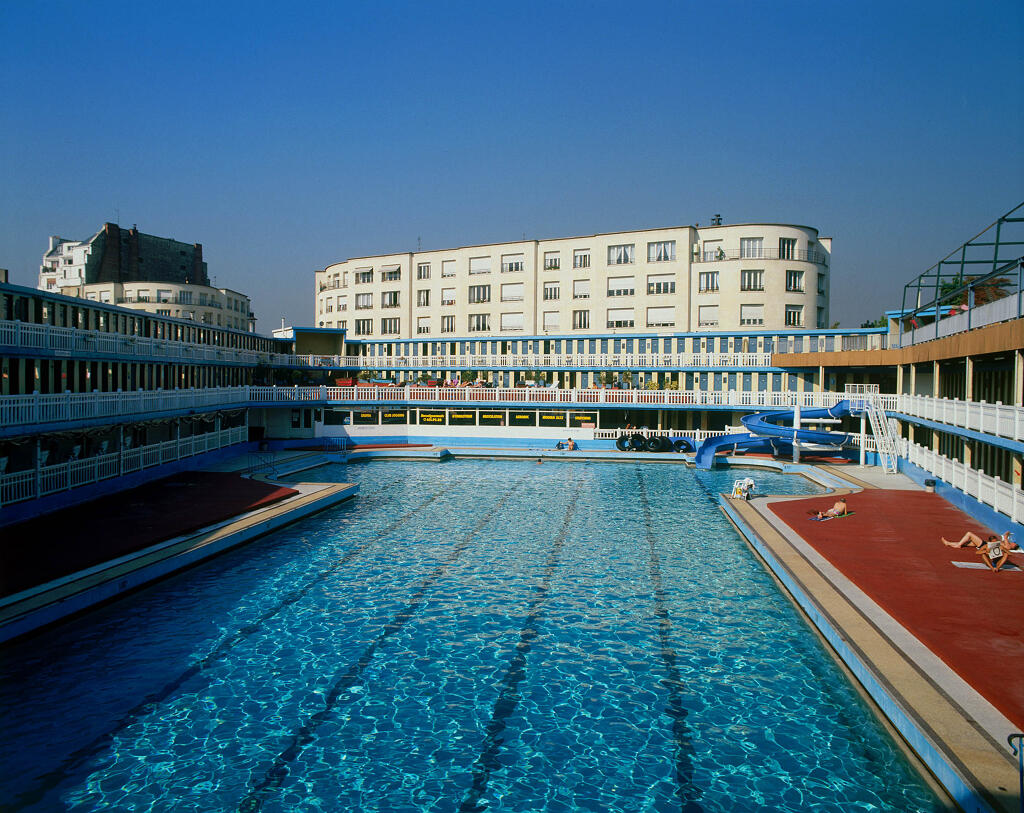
<point x="1018" y="749"/>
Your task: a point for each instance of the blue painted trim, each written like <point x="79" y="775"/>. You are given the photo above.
<point x="991" y="440"/>
<point x="31" y="430"/>
<point x="984" y="514"/>
<point x="962" y="793"/>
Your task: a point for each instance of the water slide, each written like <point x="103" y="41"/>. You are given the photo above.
<point x="764" y="426"/>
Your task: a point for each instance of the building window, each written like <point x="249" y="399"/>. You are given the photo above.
<point x="364" y="301"/>
<point x="330" y="306"/>
<point x="479" y="265"/>
<point x="661" y="252"/>
<point x="552" y="261"/>
<point x="751" y="248"/>
<point x="363" y="277"/>
<point x="447" y="296"/>
<point x="551" y="320"/>
<point x="479" y="293"/>
<point x="423" y="298"/>
<point x="751" y="314"/>
<point x="390" y="326"/>
<point x="422" y="324"/>
<point x="447" y="324"/>
<point x="707" y="282"/>
<point x="389" y="299"/>
<point x="512" y="321"/>
<point x="751" y="280"/>
<point x="581" y="320"/>
<point x="423" y="271"/>
<point x="581" y="258"/>
<point x="393" y="274"/>
<point x="448" y="268"/>
<point x="551" y="291"/>
<point x="794" y="315"/>
<point x="795" y="281"/>
<point x="342" y="303"/>
<point x="821" y="284"/>
<point x="821" y="318"/>
<point x="707" y="316"/>
<point x="661" y="317"/>
<point x="342" y="324"/>
<point x="620" y="255"/>
<point x="787" y="248"/>
<point x="621" y="286"/>
<point x="364" y="327"/>
<point x="581" y="289"/>
<point x="512" y="292"/>
<point x="479" y="322"/>
<point x="661" y="283"/>
<point x="512" y="262"/>
<point x="620" y="317"/>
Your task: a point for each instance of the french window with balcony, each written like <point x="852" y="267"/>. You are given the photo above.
<point x="794" y="315"/>
<point x="511" y="263"/>
<point x="661" y="283"/>
<point x="621" y="286"/>
<point x="581" y="289"/>
<point x="389" y="299"/>
<point x="551" y="291"/>
<point x="479" y="293"/>
<point x="423" y="271"/>
<point x="423" y="298"/>
<point x="751" y="280"/>
<point x="552" y="261"/>
<point x="422" y="324"/>
<point x="479" y="265"/>
<point x="364" y="302"/>
<point x="581" y="320"/>
<point x="447" y="324"/>
<point x="512" y="292"/>
<point x="581" y="258"/>
<point x="479" y="322"/>
<point x="512" y="321"/>
<point x="364" y="327"/>
<point x="448" y="268"/>
<point x="393" y="274"/>
<point x="551" y="320"/>
<point x="447" y="296"/>
<point x="751" y="314"/>
<point x="787" y="248"/>
<point x="390" y="326"/>
<point x="620" y="317"/>
<point x="821" y="284"/>
<point x="707" y="316"/>
<point x="707" y="282"/>
<point x="795" y="281"/>
<point x="620" y="255"/>
<point x="662" y="316"/>
<point x="661" y="252"/>
<point x="751" y="248"/>
<point x="363" y="277"/>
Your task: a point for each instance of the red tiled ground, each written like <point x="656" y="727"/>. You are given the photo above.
<point x="38" y="550"/>
<point x="890" y="548"/>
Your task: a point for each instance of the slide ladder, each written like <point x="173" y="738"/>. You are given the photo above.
<point x="866" y="398"/>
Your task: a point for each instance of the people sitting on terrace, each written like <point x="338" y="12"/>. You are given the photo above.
<point x="972" y="540"/>
<point x="571" y="445"/>
<point x="559" y="446"/>
<point x="838" y="510"/>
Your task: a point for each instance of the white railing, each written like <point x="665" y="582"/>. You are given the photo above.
<point x="1002" y="310"/>
<point x="38" y="409"/>
<point x="32" y="484"/>
<point x="543" y="395"/>
<point x="698" y="436"/>
<point x="1004" y="497"/>
<point x="989" y="419"/>
<point x="530" y="361"/>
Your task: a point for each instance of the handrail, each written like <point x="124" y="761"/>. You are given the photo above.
<point x="1018" y="751"/>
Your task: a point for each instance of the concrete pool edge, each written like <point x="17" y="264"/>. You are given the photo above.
<point x="40" y="606"/>
<point x="966" y="761"/>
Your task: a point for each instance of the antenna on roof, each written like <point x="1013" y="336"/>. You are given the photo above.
<point x="716" y="220"/>
<point x="419" y="243"/>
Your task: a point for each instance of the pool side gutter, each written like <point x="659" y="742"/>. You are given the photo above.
<point x="40" y="606"/>
<point x="968" y="764"/>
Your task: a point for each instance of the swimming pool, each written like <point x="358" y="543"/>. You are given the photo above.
<point x="472" y="635"/>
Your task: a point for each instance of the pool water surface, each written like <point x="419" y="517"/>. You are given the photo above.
<point x="463" y="636"/>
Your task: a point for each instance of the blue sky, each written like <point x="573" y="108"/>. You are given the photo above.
<point x="287" y="137"/>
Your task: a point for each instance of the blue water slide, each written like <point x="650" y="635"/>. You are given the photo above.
<point x="768" y="424"/>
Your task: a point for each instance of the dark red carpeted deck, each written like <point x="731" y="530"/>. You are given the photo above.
<point x="42" y="549"/>
<point x="891" y="549"/>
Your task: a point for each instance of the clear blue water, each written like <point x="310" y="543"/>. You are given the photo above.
<point x="472" y="635"/>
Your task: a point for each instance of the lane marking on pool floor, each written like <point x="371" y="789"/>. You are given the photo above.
<point x="687" y="792"/>
<point x="52" y="778"/>
<point x="306" y="733"/>
<point x="508" y="698"/>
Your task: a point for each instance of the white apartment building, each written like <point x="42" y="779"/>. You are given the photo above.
<point x="679" y="279"/>
<point x="220" y="307"/>
<point x="64" y="264"/>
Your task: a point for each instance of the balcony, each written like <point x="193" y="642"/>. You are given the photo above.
<point x="721" y="255"/>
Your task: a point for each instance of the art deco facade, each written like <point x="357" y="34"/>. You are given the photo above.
<point x="660" y="281"/>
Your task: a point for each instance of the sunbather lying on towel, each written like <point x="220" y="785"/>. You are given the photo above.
<point x="995" y="553"/>
<point x="837" y="510"/>
<point x="972" y="540"/>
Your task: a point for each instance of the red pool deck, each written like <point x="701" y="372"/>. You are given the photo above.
<point x="890" y="548"/>
<point x="39" y="550"/>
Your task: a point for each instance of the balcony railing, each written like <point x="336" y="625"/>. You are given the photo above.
<point x="720" y="255"/>
<point x="1001" y="420"/>
<point x="34" y="483"/>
